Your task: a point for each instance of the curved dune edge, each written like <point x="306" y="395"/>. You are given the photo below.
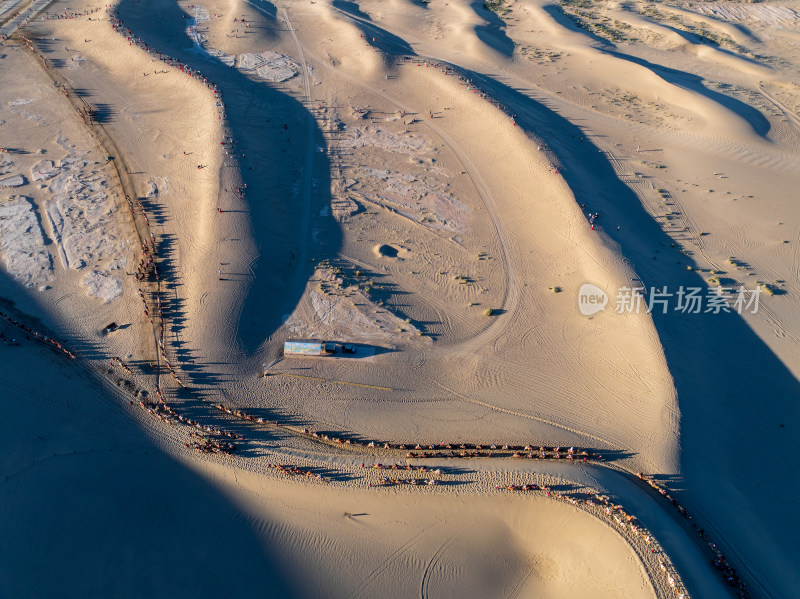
<point x="402" y="540"/>
<point x="524" y="545"/>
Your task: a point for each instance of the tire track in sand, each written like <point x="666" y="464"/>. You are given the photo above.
<point x="610" y="444"/>
<point x="426" y="579"/>
<point x="305" y="223"/>
<point x="393" y="557"/>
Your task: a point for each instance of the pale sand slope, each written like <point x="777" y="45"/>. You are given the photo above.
<point x="502" y="185"/>
<point x="167" y="126"/>
<point x="67" y="235"/>
<point x="562" y="580"/>
<point x="254" y="243"/>
<point x="694" y="133"/>
<point x="746" y="151"/>
<point x="407" y="545"/>
<point x="94" y="508"/>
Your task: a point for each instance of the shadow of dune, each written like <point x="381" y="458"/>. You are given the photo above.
<point x="269" y="10"/>
<point x="694" y="83"/>
<point x="702" y="40"/>
<point x="560" y="17"/>
<point x="270" y="128"/>
<point x="23" y="311"/>
<point x="682" y="79"/>
<point x="494" y="33"/>
<point x="351" y="8"/>
<point x="377" y="37"/>
<point x="104" y="510"/>
<point x="733" y="391"/>
<point x="270" y="13"/>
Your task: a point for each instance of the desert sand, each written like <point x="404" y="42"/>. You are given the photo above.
<point x="436" y="183"/>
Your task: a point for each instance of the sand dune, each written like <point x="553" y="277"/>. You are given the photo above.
<point x="436" y="182"/>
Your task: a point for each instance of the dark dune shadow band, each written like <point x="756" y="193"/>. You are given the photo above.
<point x="256" y="113"/>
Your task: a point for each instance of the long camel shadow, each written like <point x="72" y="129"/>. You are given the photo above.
<point x="734" y="392"/>
<point x="270" y="128"/>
